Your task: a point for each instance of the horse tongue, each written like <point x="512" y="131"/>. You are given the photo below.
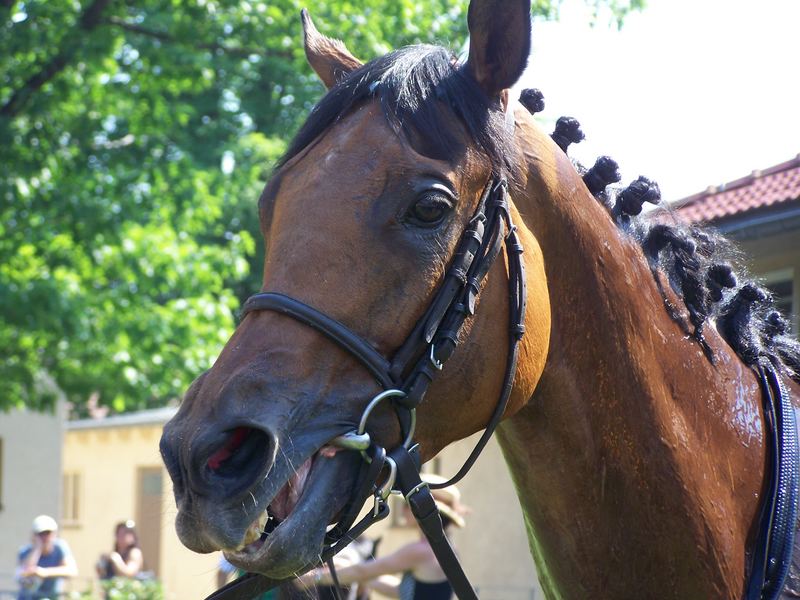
<point x="283" y="504"/>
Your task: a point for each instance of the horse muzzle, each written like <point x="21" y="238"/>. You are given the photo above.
<point x="263" y="498"/>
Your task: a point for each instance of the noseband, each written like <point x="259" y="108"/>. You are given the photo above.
<point x="405" y="380"/>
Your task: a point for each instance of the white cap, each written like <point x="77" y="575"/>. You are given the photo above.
<point x="44" y="523"/>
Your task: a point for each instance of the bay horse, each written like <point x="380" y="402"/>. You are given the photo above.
<point x="637" y="429"/>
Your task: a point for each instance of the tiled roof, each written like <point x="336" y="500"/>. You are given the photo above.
<point x="758" y="191"/>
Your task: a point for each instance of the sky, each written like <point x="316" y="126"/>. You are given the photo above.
<point x="691" y="93"/>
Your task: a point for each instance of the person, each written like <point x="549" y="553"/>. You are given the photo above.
<point x="43" y="564"/>
<point x="422" y="577"/>
<point x="126" y="559"/>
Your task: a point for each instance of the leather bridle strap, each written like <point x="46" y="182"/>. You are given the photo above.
<point x="247" y="587"/>
<point x="420" y="500"/>
<point x="333" y="329"/>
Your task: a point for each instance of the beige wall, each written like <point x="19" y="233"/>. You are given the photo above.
<point x="108" y="459"/>
<point x="31" y="479"/>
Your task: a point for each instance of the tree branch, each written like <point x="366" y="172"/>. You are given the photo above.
<point x="72" y="42"/>
<point x="242" y="51"/>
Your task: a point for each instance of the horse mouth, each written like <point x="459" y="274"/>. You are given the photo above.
<point x="287" y="537"/>
<point x="277" y="511"/>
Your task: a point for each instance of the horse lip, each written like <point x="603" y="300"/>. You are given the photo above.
<point x="297" y="542"/>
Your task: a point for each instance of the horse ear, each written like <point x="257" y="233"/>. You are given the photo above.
<point x="499" y="42"/>
<point x="328" y="57"/>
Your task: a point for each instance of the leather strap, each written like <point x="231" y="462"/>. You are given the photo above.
<point x="423" y="506"/>
<point x="247" y="587"/>
<point x="333" y="329"/>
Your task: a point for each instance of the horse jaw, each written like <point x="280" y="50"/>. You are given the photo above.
<point x="304" y="504"/>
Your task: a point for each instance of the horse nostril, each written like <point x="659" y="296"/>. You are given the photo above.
<point x="239" y="460"/>
<point x="223" y="457"/>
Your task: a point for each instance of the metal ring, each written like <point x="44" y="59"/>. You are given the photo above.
<point x="362" y="426"/>
<point x="386" y="489"/>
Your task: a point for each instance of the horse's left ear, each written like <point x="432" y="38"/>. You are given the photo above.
<point x="330" y="58"/>
<point x="499" y="42"/>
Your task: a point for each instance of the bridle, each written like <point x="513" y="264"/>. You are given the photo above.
<point x="406" y="377"/>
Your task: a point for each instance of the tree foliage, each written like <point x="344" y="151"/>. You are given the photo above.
<point x="134" y="140"/>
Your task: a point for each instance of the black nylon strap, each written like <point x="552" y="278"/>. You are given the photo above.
<point x="337" y="587"/>
<point x="353" y="507"/>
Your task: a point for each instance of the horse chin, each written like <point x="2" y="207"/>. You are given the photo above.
<point x="296" y="528"/>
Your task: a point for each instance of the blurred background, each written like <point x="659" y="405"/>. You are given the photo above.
<point x="135" y="139"/>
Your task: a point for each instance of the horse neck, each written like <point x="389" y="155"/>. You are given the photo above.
<point x="609" y="456"/>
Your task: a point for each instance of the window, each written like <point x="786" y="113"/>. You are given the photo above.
<point x="781" y="284"/>
<point x="71" y="499"/>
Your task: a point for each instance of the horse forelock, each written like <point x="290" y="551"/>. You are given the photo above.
<point x="421" y="89"/>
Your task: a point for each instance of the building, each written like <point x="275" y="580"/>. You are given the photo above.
<point x="761" y="212"/>
<point x="113" y="472"/>
<point x="30" y="480"/>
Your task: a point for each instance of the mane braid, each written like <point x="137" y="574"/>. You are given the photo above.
<point x="698" y="265"/>
<point x="421" y="89"/>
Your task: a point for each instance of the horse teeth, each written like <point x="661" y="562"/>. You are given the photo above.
<point x="252" y="534"/>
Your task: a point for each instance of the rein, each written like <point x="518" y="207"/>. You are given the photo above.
<point x="405" y="380"/>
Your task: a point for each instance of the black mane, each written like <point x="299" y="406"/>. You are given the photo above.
<point x="418" y="87"/>
<point x="705" y="270"/>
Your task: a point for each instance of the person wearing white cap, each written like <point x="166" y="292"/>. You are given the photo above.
<point x="43" y="564"/>
<point x="422" y="577"/>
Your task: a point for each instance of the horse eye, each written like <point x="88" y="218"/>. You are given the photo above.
<point x="429" y="210"/>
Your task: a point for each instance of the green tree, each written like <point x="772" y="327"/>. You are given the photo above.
<point x="134" y="140"/>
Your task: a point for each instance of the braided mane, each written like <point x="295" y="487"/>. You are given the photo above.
<point x="702" y="267"/>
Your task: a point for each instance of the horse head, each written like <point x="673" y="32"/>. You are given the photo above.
<point x="361" y="220"/>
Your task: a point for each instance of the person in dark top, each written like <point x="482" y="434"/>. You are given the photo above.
<point x="43" y="564"/>
<point x="126" y="559"/>
<point x="422" y="577"/>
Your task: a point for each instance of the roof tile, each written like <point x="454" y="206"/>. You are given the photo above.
<point x="761" y="189"/>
